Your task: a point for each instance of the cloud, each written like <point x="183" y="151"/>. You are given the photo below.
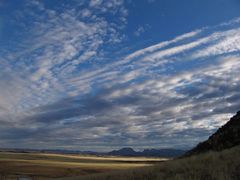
<point x="228" y="43"/>
<point x="62" y="90"/>
<point x="139" y="31"/>
<point x="153" y="111"/>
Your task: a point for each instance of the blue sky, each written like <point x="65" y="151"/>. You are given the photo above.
<point x="104" y="74"/>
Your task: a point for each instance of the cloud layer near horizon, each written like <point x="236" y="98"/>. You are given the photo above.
<point x="61" y="89"/>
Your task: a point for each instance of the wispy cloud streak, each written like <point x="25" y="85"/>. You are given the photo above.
<point x="59" y="82"/>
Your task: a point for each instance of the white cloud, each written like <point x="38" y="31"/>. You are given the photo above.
<point x="59" y="82"/>
<point x="57" y="44"/>
<point x="228" y="43"/>
<point x="139" y="31"/>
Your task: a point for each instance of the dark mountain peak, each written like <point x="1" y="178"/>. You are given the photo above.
<point x="149" y="150"/>
<point x="225" y="137"/>
<point x="127" y="151"/>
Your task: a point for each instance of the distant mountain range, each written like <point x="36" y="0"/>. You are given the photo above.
<point x="147" y="152"/>
<point x="225" y="137"/>
<point x="121" y="152"/>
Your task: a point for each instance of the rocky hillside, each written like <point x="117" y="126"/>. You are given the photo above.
<point x="226" y="137"/>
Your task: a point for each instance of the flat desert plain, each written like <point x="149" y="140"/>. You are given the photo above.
<point x="43" y="166"/>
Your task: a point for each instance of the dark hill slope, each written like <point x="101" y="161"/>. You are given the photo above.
<point x="226" y="137"/>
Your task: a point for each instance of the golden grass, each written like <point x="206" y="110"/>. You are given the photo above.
<point x="60" y="165"/>
<point x="223" y="165"/>
<point x="76" y="157"/>
<point x="77" y="164"/>
<point x="111" y="158"/>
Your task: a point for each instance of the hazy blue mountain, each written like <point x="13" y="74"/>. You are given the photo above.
<point x="147" y="152"/>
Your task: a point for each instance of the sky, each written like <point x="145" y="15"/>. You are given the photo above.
<point x="106" y="74"/>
